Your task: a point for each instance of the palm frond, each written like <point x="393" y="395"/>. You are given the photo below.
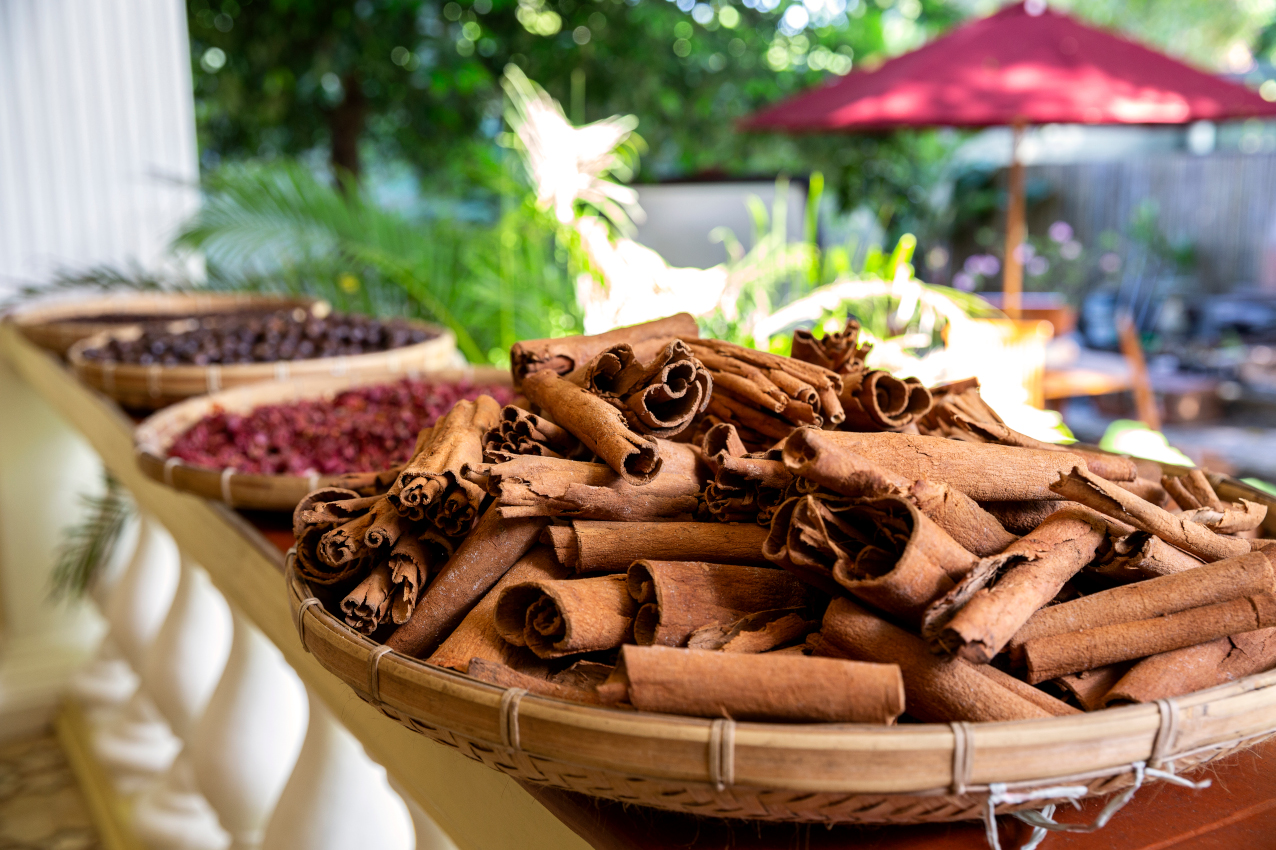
<point x="88" y="545"/>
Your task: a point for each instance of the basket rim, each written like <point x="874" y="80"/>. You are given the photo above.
<point x="153" y="436"/>
<point x="79" y="312"/>
<point x="830" y="757"/>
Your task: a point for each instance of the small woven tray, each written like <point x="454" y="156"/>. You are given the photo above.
<point x="61" y="324"/>
<point x="153" y="437"/>
<point x="154" y="386"/>
<point x="818" y="773"/>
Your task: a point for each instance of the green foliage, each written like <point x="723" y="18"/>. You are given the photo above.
<point x="280" y="228"/>
<point x="89" y="544"/>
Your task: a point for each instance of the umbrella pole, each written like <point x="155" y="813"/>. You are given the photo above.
<point x="1012" y="277"/>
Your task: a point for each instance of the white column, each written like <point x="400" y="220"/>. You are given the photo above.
<point x="429" y="835"/>
<point x="245" y="745"/>
<point x="185" y="663"/>
<point x="337" y="798"/>
<point x="106" y="682"/>
<point x="136" y="745"/>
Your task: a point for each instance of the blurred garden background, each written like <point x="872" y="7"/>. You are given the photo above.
<point x="368" y="152"/>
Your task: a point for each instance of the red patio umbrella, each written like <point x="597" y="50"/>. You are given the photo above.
<point x="1023" y="65"/>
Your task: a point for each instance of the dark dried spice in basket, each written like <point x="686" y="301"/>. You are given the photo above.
<point x="365" y="428"/>
<point x="259" y="338"/>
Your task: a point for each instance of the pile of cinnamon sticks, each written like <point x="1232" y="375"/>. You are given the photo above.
<point x="668" y="523"/>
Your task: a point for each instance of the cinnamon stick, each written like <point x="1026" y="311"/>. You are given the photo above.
<point x="564" y="354"/>
<point x="588" y="546"/>
<point x="328" y="506"/>
<point x="1141" y="555"/>
<point x="1250" y="574"/>
<point x="1195" y="668"/>
<point x="1108" y="498"/>
<point x="496" y="673"/>
<point x="1089" y="687"/>
<point x="433" y="484"/>
<point x="554" y="618"/>
<point x="767" y="687"/>
<point x="492" y="547"/>
<point x="807" y="453"/>
<point x="1021" y="517"/>
<point x="675" y="598"/>
<point x="368" y="606"/>
<point x="837" y="351"/>
<point x="978" y="618"/>
<point x="1049" y="657"/>
<point x="543" y="486"/>
<point x="410" y="562"/>
<point x="660" y="396"/>
<point x="939" y="690"/>
<point x="597" y="424"/>
<point x="983" y="471"/>
<point x="521" y="432"/>
<point x="884" y="551"/>
<point x="477" y="636"/>
<point x="881" y="402"/>
<point x="763" y="631"/>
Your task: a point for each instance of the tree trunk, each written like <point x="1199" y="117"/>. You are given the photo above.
<point x="346" y="127"/>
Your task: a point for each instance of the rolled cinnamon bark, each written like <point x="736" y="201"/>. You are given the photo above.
<point x="984" y="472"/>
<point x="733" y="465"/>
<point x="1021" y="517"/>
<point x="410" y="562"/>
<point x="433" y="484"/>
<point x="1050" y="657"/>
<point x="333" y="512"/>
<point x="1140" y="555"/>
<point x="477" y="635"/>
<point x="793" y="688"/>
<point x="543" y="486"/>
<point x="754" y="633"/>
<point x="975" y="621"/>
<point x="564" y="354"/>
<point x="1109" y="466"/>
<point x="1195" y="668"/>
<point x="1191" y="490"/>
<point x="386" y="527"/>
<point x="597" y="424"/>
<point x="884" y="551"/>
<point x="342" y="550"/>
<point x="795" y="392"/>
<point x="881" y="402"/>
<point x="1146" y="489"/>
<point x="567" y="617"/>
<point x="492" y="547"/>
<point x="676" y="598"/>
<point x="660" y="396"/>
<point x="829" y="464"/>
<point x="940" y="690"/>
<point x="496" y="673"/>
<point x="602" y="547"/>
<point x="521" y="432"/>
<point x="368" y="606"/>
<point x="1089" y="687"/>
<point x="1110" y="499"/>
<point x="1018" y="687"/>
<point x="1250" y="574"/>
<point x="837" y="351"/>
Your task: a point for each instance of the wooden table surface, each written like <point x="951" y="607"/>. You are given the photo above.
<point x="1237" y="811"/>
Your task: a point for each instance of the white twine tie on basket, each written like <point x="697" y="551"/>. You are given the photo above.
<point x="374" y="673"/>
<point x="1042" y="820"/>
<point x="722" y="753"/>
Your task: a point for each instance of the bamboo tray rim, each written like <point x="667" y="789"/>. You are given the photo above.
<point x="72" y="310"/>
<point x="153" y="437"/>
<point x="1142" y="729"/>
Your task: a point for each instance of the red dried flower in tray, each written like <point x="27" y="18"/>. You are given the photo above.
<point x="360" y="430"/>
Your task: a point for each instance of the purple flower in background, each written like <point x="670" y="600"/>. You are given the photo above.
<point x="1025" y="252"/>
<point x="1038" y="266"/>
<point x="1110" y="262"/>
<point x="1070" y="250"/>
<point x="963" y="281"/>
<point x="1060" y="232"/>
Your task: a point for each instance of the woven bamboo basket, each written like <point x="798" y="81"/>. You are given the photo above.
<point x="818" y="773"/>
<point x="153" y="437"/>
<point x="152" y="387"/>
<point x="60" y="325"/>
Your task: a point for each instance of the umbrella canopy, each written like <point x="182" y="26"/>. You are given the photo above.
<point x="1025" y="64"/>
